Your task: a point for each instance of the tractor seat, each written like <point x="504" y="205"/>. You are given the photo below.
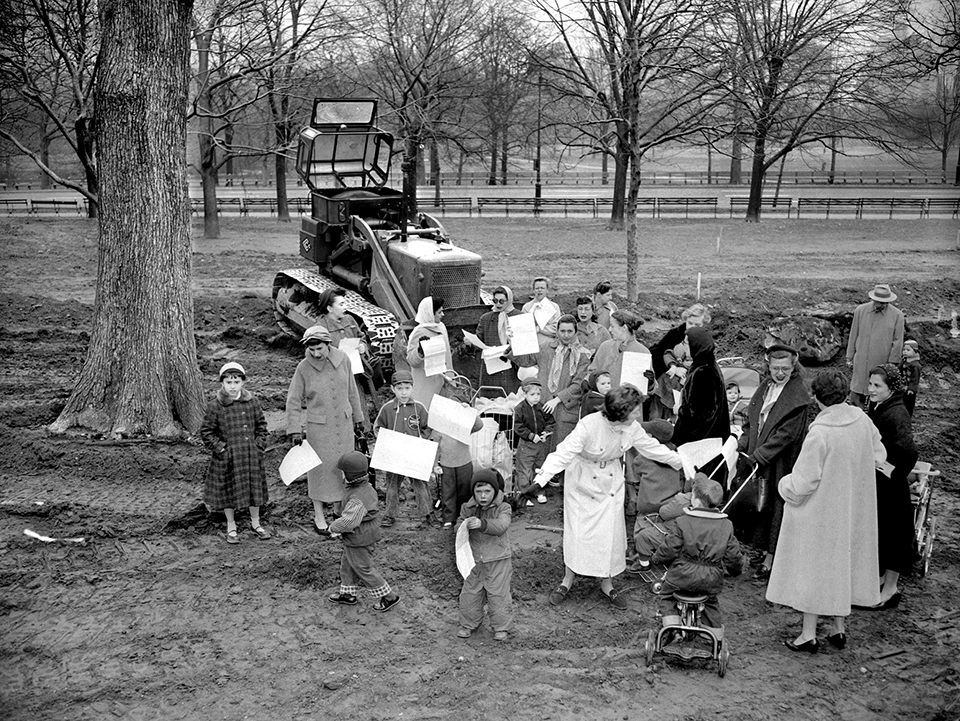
<point x="690" y="598"/>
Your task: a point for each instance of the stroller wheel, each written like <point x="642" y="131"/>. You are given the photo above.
<point x="650" y="646"/>
<point x="723" y="659"/>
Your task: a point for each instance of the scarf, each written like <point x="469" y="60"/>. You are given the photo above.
<point x="562" y="354"/>
<point x="502" y="326"/>
<point x="425" y="317"/>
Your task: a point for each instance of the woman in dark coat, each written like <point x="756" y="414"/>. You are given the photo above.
<point x="894" y="510"/>
<point x="773" y="433"/>
<point x="492" y="330"/>
<point x="703" y="401"/>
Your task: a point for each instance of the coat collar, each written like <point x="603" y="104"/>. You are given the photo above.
<point x="704" y="512"/>
<point x="226" y="400"/>
<point x="336" y="358"/>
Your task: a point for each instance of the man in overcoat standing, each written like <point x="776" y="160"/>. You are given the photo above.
<point x="876" y="337"/>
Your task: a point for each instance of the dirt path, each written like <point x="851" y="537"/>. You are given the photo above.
<point x="156" y="617"/>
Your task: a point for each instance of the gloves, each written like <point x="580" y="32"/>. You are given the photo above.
<point x="648" y="374"/>
<point x="295" y="439"/>
<point x="358" y="430"/>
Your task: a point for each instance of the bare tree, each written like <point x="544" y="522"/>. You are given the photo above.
<point x="48" y="62"/>
<point x="140" y="374"/>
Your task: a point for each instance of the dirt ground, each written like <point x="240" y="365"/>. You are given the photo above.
<point x="154" y="616"/>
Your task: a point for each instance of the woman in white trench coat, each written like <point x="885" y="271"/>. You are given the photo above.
<point x="594" y="531"/>
<point x="827" y="558"/>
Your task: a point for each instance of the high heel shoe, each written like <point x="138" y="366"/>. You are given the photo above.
<point x="837" y="640"/>
<point x="892" y="602"/>
<point x="811" y="646"/>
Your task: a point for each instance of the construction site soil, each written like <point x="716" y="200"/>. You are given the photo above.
<point x="154" y="616"/>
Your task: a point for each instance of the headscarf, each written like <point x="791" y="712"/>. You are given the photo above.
<point x="502" y="325"/>
<point x="894" y="379"/>
<point x="326" y="298"/>
<point x="590" y="382"/>
<point x="701" y="347"/>
<point x="425" y="316"/>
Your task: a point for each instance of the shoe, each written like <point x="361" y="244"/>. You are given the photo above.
<point x="344" y="599"/>
<point x="430" y="522"/>
<point x="638" y="567"/>
<point x="384" y="605"/>
<point x="837" y="640"/>
<point x="262" y="533"/>
<point x="448" y="525"/>
<point x="553" y="484"/>
<point x="811" y="646"/>
<point x="617" y="599"/>
<point x="464" y="633"/>
<point x="529" y="503"/>
<point x="762" y="573"/>
<point x="557" y="596"/>
<point x="322" y="532"/>
<point x="500" y="636"/>
<point x="541" y="499"/>
<point x="232" y="537"/>
<point x="892" y="602"/>
<point x="387" y="522"/>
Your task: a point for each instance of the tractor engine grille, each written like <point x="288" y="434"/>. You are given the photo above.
<point x="457" y="285"/>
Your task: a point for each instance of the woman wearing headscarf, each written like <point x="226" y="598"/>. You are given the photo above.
<point x="671" y="360"/>
<point x="323" y="406"/>
<point x="493" y="330"/>
<point x="429" y="325"/>
<point x="334" y="317"/>
<point x="703" y="409"/>
<point x="894" y="509"/>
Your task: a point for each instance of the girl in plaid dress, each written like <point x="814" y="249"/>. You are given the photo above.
<point x="235" y="431"/>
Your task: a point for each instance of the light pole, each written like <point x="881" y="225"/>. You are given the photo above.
<point x="537" y="188"/>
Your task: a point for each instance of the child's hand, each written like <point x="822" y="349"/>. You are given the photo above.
<point x="437" y="471"/>
<point x="537" y="438"/>
<point x="472" y="523"/>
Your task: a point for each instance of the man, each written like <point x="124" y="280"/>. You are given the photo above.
<point x="876" y="337"/>
<point x="590" y="333"/>
<point x="545" y="311"/>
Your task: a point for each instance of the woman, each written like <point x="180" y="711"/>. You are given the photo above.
<point x="594" y="530"/>
<point x="703" y="409"/>
<point x="493" y="330"/>
<point x="894" y="510"/>
<point x="590" y="333"/>
<point x="672" y="353"/>
<point x="609" y="356"/>
<point x="323" y="406"/>
<point x="429" y="325"/>
<point x="603" y="302"/>
<point x="334" y="317"/>
<point x="830" y="506"/>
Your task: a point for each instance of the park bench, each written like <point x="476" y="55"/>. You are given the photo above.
<point x="826" y="204"/>
<point x="892" y="204"/>
<point x="641" y="204"/>
<point x="46" y="206"/>
<point x="15" y="205"/>
<point x="766" y="203"/>
<point x="448" y="204"/>
<point x="698" y="204"/>
<point x="257" y="205"/>
<point x="231" y="203"/>
<point x="943" y="206"/>
<point x="506" y="204"/>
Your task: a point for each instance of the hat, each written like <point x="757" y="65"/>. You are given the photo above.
<point x="530" y="382"/>
<point x="882" y="294"/>
<point x="353" y="464"/>
<point x="660" y="429"/>
<point x="487" y="475"/>
<point x="912" y="343"/>
<point x="782" y="346"/>
<point x="401" y="376"/>
<point x="315" y="334"/>
<point x="232" y="367"/>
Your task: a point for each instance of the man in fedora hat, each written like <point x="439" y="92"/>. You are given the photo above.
<point x="876" y="337"/>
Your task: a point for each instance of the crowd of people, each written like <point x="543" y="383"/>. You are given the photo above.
<point x="828" y="472"/>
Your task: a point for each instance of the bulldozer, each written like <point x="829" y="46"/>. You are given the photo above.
<point x="360" y="241"/>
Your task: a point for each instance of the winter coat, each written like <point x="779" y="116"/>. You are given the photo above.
<point x="591" y="335"/>
<point x="896" y="433"/>
<point x="488" y="331"/>
<point x="491" y="541"/>
<point x="656" y="483"/>
<point x="703" y="402"/>
<point x="409" y="418"/>
<point x="826" y="557"/>
<point x="426" y="387"/>
<point x="367" y="532"/>
<point x="609" y="358"/>
<point x="698" y="547"/>
<point x="875" y="338"/>
<point x="530" y="421"/>
<point x="665" y="345"/>
<point x="574" y="368"/>
<point x="323" y="403"/>
<point x="235" y="432"/>
<point x="594" y="530"/>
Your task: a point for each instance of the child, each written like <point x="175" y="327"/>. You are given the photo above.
<point x="533" y="426"/>
<point x="910" y="370"/>
<point x="487" y="516"/>
<point x="699" y="546"/>
<point x="454" y="463"/>
<point x="594" y="387"/>
<point x="357" y="526"/>
<point x="650" y="483"/>
<point x="235" y="431"/>
<point x="650" y="530"/>
<point x="404" y="415"/>
<point x="738" y="408"/>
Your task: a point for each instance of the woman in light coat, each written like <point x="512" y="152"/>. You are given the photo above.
<point x="429" y="317"/>
<point x="830" y="506"/>
<point x="323" y="406"/>
<point x="594" y="530"/>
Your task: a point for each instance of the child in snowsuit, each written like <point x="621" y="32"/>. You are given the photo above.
<point x="700" y="546"/>
<point x="235" y="431"/>
<point x="533" y="426"/>
<point x="487" y="516"/>
<point x="738" y="407"/>
<point x="404" y="415"/>
<point x="594" y="387"/>
<point x="910" y="371"/>
<point x="358" y="528"/>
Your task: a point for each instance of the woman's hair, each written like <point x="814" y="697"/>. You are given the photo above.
<point x="830" y="387"/>
<point x="780" y="354"/>
<point x="327" y="298"/>
<point x="890" y="375"/>
<point x="540" y="279"/>
<point x="568" y="319"/>
<point x="632" y="321"/>
<point x="501" y="291"/>
<point x="437" y="305"/>
<point x="619" y="402"/>
<point x="584" y="300"/>
<point x="697" y="310"/>
<point x="604" y="286"/>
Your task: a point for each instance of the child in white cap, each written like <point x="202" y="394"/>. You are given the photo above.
<point x="235" y="431"/>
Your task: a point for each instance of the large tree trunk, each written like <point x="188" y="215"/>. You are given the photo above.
<point x="208" y="150"/>
<point x="621" y="164"/>
<point x="84" y="134"/>
<point x="504" y="142"/>
<point x="280" y="168"/>
<point x="409" y="168"/>
<point x="494" y="146"/>
<point x="756" y="176"/>
<point x="633" y="245"/>
<point x="140" y="374"/>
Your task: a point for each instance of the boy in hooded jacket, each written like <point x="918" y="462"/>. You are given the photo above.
<point x="487" y="517"/>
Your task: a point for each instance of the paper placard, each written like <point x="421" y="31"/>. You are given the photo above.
<point x="676" y="402"/>
<point x="404" y="455"/>
<point x="730" y="454"/>
<point x="677" y="372"/>
<point x="697" y="453"/>
<point x="523" y="334"/>
<point x="451" y="418"/>
<point x="543" y="313"/>
<point x="351" y="346"/>
<point x="465" y="559"/>
<point x="634" y="365"/>
<point x="493" y="361"/>
<point x="298" y="461"/>
<point x="474" y="340"/>
<point x="434" y="356"/>
<point x="886" y="468"/>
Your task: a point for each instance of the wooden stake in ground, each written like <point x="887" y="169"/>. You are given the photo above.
<point x="140" y="375"/>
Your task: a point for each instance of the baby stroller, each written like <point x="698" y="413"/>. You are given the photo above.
<point x="924" y="525"/>
<point x="675" y="640"/>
